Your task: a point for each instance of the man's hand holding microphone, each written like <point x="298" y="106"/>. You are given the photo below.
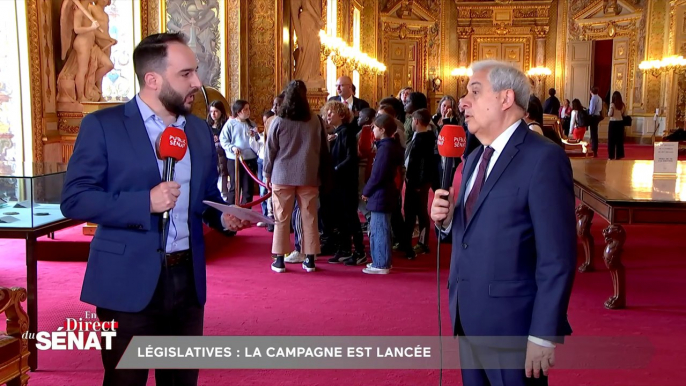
<point x="171" y="147"/>
<point x="450" y="147"/>
<point x="163" y="196"/>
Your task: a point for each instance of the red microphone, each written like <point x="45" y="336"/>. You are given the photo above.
<point x="171" y="147"/>
<point x="452" y="141"/>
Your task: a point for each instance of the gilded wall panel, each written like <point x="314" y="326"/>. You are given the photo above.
<point x="47" y="58"/>
<point x="233" y="49"/>
<point x="655" y="47"/>
<point x="641" y="54"/>
<point x="150" y="17"/>
<point x="262" y="53"/>
<point x="368" y="35"/>
<point x="550" y="48"/>
<point x="37" y="106"/>
<point x="450" y="49"/>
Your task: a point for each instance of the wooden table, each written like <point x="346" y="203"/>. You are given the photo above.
<point x="623" y="193"/>
<point x="31" y="235"/>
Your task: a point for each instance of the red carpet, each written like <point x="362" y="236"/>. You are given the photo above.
<point x="246" y="298"/>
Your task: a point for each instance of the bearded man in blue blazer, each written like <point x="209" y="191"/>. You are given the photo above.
<point x="148" y="285"/>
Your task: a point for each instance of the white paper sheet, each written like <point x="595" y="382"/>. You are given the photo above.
<point x="242" y="213"/>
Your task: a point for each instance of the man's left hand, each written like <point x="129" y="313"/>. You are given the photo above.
<point x="538" y="358"/>
<point x="233" y="223"/>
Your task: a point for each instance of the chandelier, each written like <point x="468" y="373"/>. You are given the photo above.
<point x="342" y="55"/>
<point x="664" y="65"/>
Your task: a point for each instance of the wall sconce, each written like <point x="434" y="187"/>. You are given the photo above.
<point x="461" y="74"/>
<point x="665" y="65"/>
<point x="538" y="75"/>
<point x="436" y="83"/>
<point x="343" y="55"/>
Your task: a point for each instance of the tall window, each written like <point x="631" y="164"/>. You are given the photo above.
<point x="15" y="98"/>
<point x="331" y="30"/>
<point x="356" y="44"/>
<point x="120" y="84"/>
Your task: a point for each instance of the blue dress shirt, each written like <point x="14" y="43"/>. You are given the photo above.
<point x="178" y="238"/>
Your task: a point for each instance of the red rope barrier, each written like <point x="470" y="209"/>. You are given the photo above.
<point x="254" y="177"/>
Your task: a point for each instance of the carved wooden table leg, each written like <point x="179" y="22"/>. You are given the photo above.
<point x="584" y="217"/>
<point x="614" y="238"/>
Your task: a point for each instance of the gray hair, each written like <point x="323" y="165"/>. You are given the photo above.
<point x="503" y="76"/>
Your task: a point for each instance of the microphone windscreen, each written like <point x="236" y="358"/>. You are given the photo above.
<point x="452" y="141"/>
<point x="172" y="143"/>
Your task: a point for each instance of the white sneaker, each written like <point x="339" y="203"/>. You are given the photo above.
<point x="376" y="271"/>
<point x="369" y="265"/>
<point x="295" y="257"/>
<point x="261" y="224"/>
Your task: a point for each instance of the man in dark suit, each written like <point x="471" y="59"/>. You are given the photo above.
<point x="344" y="88"/>
<point x="148" y="285"/>
<point x="514" y="243"/>
<point x="552" y="104"/>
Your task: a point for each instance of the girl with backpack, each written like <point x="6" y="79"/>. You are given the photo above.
<point x="579" y="120"/>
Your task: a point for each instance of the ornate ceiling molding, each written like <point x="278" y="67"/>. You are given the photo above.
<point x="409" y="13"/>
<point x="601" y="19"/>
<point x="503" y="14"/>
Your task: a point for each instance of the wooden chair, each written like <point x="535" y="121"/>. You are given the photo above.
<point x="14" y="350"/>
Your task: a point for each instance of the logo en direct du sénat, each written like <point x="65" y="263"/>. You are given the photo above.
<point x="82" y="334"/>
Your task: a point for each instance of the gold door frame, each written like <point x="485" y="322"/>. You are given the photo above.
<point x="421" y="37"/>
<point x="608" y="28"/>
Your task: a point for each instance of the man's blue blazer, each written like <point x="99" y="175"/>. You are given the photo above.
<point x="513" y="263"/>
<point x="108" y="182"/>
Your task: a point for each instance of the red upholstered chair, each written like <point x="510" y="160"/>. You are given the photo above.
<point x="14" y="351"/>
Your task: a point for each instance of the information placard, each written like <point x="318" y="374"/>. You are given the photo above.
<point x="665" y="157"/>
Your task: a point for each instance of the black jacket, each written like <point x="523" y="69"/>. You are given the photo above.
<point x="381" y="191"/>
<point x="552" y="106"/>
<point x="421" y="160"/>
<point x="344" y="157"/>
<point x="358" y="104"/>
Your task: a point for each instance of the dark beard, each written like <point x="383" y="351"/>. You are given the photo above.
<point x="173" y="101"/>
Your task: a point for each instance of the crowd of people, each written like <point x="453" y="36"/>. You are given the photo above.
<point x="349" y="172"/>
<point x="147" y="263"/>
<point x="576" y="120"/>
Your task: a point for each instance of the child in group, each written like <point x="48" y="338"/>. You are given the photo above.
<point x="381" y="193"/>
<point x="235" y="139"/>
<point x="365" y="152"/>
<point x="257" y="144"/>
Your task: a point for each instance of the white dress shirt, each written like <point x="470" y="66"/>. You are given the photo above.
<point x="498" y="146"/>
<point x="349" y="102"/>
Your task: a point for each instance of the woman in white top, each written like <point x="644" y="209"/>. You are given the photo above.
<point x="615" y="135"/>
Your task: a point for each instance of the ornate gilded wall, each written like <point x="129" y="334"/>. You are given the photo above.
<point x="254" y="53"/>
<point x="657" y="34"/>
<point x="368" y="27"/>
<point x="262" y="40"/>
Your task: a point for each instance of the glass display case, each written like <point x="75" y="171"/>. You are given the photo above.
<point x="30" y="194"/>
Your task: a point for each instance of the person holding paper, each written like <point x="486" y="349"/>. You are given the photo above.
<point x="514" y="237"/>
<point x="296" y="161"/>
<point x="150" y="286"/>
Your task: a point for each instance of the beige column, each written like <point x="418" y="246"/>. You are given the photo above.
<point x="540" y="33"/>
<point x="463" y="36"/>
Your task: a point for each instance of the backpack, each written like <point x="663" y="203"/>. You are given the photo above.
<point x="582" y="118"/>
